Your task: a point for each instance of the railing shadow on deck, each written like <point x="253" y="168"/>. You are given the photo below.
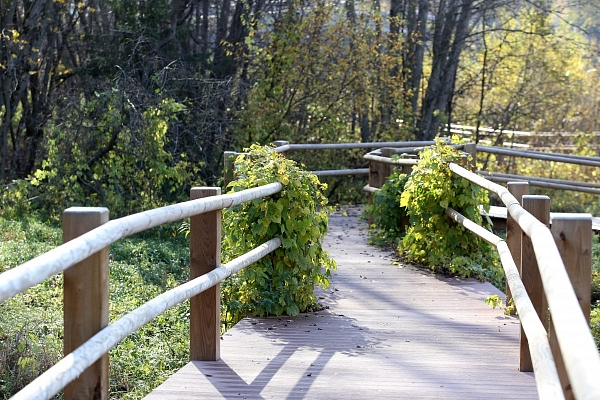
<point x="567" y="338"/>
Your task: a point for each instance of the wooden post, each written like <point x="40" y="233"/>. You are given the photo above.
<point x="514" y="234"/>
<point x="205" y="255"/>
<point x="471" y="150"/>
<point x="539" y="207"/>
<point x="573" y="236"/>
<point x="85" y="302"/>
<point x="279" y="143"/>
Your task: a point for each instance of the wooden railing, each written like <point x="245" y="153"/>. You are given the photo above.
<point x="549" y="284"/>
<point x="562" y="352"/>
<point x="87" y="233"/>
<point x="84" y="260"/>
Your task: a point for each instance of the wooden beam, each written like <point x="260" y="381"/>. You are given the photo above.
<point x="86" y="302"/>
<point x="228" y="164"/>
<point x="205" y="256"/>
<point x="538" y="207"/>
<point x="573" y="236"/>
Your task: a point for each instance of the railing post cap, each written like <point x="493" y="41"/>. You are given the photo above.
<point x="536" y="197"/>
<point x="86" y="210"/>
<point x="572" y="216"/>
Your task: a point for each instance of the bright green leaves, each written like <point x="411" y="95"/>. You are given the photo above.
<point x="433" y="238"/>
<point x="282" y="282"/>
<point x="388" y="210"/>
<point x="105" y="160"/>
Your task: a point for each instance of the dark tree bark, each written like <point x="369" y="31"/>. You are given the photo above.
<point x="451" y="27"/>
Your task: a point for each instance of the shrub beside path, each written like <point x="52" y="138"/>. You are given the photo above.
<point x="388" y="330"/>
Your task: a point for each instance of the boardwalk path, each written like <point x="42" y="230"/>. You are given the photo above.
<point x="390" y="331"/>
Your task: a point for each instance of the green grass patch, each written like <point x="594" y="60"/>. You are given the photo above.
<point x="141" y="267"/>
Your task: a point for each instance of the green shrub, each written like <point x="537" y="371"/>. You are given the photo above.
<point x="282" y="282"/>
<point x="98" y="157"/>
<point x="435" y="239"/>
<point x="595" y="270"/>
<point x="595" y="324"/>
<point x="389" y="218"/>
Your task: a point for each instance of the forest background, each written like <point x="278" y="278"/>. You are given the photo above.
<point x="127" y="103"/>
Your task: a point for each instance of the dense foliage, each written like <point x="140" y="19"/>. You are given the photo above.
<point x="282" y="282"/>
<point x="388" y="217"/>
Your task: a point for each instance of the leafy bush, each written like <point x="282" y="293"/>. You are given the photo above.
<point x="389" y="218"/>
<point x="282" y="282"/>
<point x="435" y="239"/>
<point x="108" y="153"/>
<point x="595" y="270"/>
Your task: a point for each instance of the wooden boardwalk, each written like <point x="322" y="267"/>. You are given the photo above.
<point x="389" y="331"/>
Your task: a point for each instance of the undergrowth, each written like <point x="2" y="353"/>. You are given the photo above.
<point x="141" y="267"/>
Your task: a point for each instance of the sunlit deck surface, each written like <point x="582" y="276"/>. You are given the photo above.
<point x="390" y="331"/>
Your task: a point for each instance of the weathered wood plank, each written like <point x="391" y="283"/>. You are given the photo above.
<point x="205" y="256"/>
<point x="390" y="331"/>
<point x="539" y="207"/>
<point x="86" y="302"/>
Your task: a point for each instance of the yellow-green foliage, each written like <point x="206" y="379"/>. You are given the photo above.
<point x="321" y="77"/>
<point x="107" y="160"/>
<point x="282" y="282"/>
<point x="435" y="239"/>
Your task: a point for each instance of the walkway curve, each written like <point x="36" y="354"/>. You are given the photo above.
<point x="389" y="331"/>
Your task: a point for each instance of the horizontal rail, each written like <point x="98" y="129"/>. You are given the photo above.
<point x="549" y="185"/>
<point x="387" y="160"/>
<point x="339" y="172"/>
<point x="72" y="365"/>
<point x="546" y="375"/>
<point x="515" y="177"/>
<point x="35" y="271"/>
<point x="536" y="155"/>
<point x="371" y="189"/>
<point x="577" y="345"/>
<point x="330" y="146"/>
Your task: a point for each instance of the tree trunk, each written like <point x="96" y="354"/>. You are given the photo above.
<point x="451" y="28"/>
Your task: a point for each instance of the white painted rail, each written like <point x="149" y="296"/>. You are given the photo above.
<point x="577" y="345"/>
<point x="70" y="367"/>
<point x="35" y="271"/>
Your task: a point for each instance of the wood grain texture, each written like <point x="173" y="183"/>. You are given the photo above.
<point x="514" y="234"/>
<point x="390" y="331"/>
<point x="86" y="302"/>
<point x="205" y="256"/>
<point x="573" y="236"/>
<point x="539" y="207"/>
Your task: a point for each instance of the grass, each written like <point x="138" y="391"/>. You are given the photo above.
<point x="141" y="267"/>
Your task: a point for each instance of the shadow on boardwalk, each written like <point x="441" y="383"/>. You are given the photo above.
<point x="390" y="331"/>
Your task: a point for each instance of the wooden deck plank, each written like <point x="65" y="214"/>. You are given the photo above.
<point x="390" y="331"/>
